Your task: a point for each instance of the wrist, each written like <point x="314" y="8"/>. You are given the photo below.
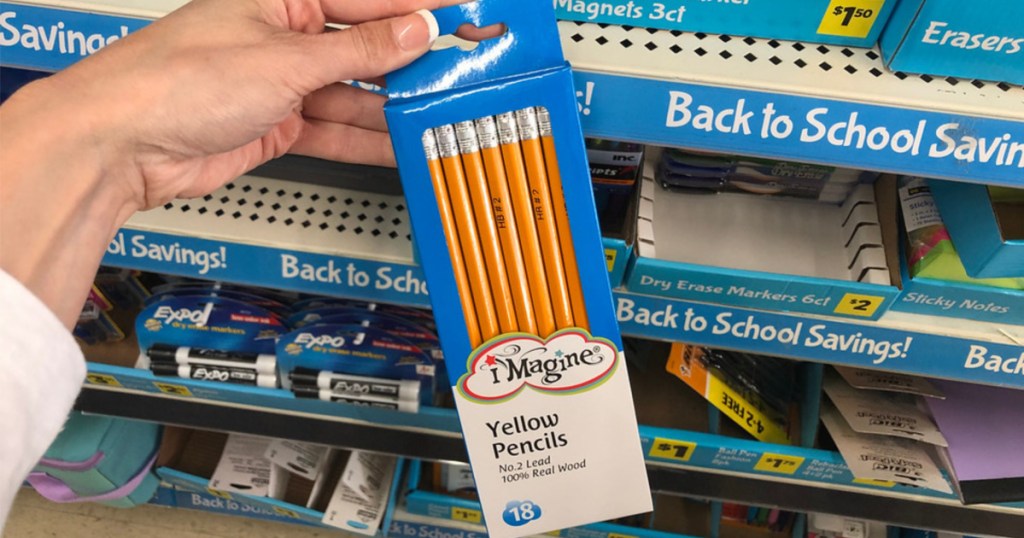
<point x="65" y="192"/>
<point x="64" y="130"/>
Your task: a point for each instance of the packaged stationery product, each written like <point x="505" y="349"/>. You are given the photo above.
<point x="689" y="171"/>
<point x="494" y="168"/>
<point x="940" y="37"/>
<point x="930" y="251"/>
<point x="209" y="338"/>
<point x="986" y="226"/>
<point x="356" y="364"/>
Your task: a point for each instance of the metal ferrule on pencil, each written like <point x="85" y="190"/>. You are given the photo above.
<point x="430" y="145"/>
<point x="447" y="143"/>
<point x="465" y="134"/>
<point x="487" y="132"/>
<point x="544" y="121"/>
<point x="526" y="120"/>
<point x="507" y="132"/>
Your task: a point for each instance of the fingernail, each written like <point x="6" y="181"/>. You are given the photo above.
<point x="417" y="30"/>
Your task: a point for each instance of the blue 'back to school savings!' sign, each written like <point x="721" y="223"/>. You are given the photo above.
<point x="46" y="38"/>
<point x="855" y="135"/>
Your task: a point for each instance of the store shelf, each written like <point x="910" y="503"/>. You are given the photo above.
<point x="348" y="243"/>
<point x="896" y="510"/>
<point x="433" y="435"/>
<point x="281" y="234"/>
<point x="628" y="77"/>
<point x="679" y="462"/>
<point x="929" y="346"/>
<point x="344" y="242"/>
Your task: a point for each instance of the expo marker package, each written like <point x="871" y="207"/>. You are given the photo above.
<point x="493" y="165"/>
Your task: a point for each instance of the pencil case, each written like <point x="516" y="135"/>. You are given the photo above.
<point x="100" y="459"/>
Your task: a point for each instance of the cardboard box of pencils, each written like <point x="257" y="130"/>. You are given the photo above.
<point x="494" y="168"/>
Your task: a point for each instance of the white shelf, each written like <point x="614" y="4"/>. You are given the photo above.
<point x="281" y="234"/>
<point x="626" y="77"/>
<point x="848" y="74"/>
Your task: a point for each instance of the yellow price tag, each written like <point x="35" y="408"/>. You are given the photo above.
<point x="850" y="18"/>
<point x="176" y="390"/>
<point x="854" y="304"/>
<point x="873" y="482"/>
<point x="672" y="450"/>
<point x="101" y="379"/>
<point x="467" y="514"/>
<point x="609" y="257"/>
<point x="219" y="493"/>
<point x="286" y="512"/>
<point x="778" y="463"/>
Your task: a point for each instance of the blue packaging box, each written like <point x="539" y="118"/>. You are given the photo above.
<point x="616" y="255"/>
<point x="981" y="40"/>
<point x="770" y="254"/>
<point x="855" y="23"/>
<point x="618" y="235"/>
<point x="988" y="237"/>
<point x="510" y="102"/>
<point x="958" y="299"/>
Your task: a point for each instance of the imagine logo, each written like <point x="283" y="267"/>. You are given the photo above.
<point x="570" y="360"/>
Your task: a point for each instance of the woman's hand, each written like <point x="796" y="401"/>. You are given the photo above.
<point x="221" y="86"/>
<point x="182" y="107"/>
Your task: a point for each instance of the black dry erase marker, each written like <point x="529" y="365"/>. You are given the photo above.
<point x="202" y="372"/>
<point x="262" y="362"/>
<point x="354" y="385"/>
<point x="305" y="391"/>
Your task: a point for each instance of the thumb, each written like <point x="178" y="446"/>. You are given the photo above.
<point x="370" y="49"/>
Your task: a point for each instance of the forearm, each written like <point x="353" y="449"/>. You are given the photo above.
<point x="58" y="162"/>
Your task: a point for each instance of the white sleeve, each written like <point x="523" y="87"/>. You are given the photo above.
<point x="41" y="373"/>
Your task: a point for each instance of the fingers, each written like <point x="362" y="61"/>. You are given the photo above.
<point x="346" y="143"/>
<point x="473" y="33"/>
<point x="367" y="50"/>
<point x="355" y="12"/>
<point x="342" y="103"/>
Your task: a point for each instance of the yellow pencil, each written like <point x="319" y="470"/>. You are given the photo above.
<point x="543" y="215"/>
<point x="505" y="220"/>
<point x="522" y="209"/>
<point x="572" y="275"/>
<point x="465" y="222"/>
<point x="444" y="207"/>
<point x="490" y="246"/>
